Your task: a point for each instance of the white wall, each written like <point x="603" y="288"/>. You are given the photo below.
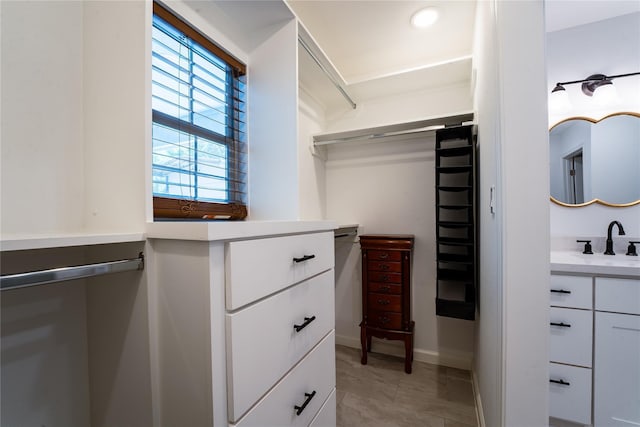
<point x="488" y="354"/>
<point x="523" y="200"/>
<point x="388" y="187"/>
<point x="511" y="343"/>
<point x="42" y="150"/>
<point x="311" y="163"/>
<point x="613" y="49"/>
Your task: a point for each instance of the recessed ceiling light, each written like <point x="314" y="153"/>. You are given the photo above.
<point x="424" y="17"/>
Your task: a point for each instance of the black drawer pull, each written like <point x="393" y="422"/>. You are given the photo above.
<point x="383" y="256"/>
<point x="383" y="266"/>
<point x="384" y="319"/>
<point x="384" y="302"/>
<point x="307" y="320"/>
<point x="384" y="278"/>
<point x="384" y="288"/>
<point x="304" y="258"/>
<point x="308" y="396"/>
<point x="560" y="291"/>
<point x="564" y="325"/>
<point x="562" y="382"/>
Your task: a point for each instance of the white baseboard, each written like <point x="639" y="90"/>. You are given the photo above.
<point x="477" y="398"/>
<point x="460" y="360"/>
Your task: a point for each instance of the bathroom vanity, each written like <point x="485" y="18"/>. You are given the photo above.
<point x="594" y="356"/>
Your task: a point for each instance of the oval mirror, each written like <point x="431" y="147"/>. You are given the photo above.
<point x="596" y="161"/>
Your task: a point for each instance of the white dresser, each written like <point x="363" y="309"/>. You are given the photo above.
<point x="245" y="321"/>
<point x="594" y="368"/>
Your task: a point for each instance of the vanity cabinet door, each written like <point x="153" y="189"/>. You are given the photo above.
<point x="617" y="370"/>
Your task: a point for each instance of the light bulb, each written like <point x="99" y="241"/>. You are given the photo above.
<point x="424" y="17"/>
<point x="559" y="100"/>
<point x="605" y="94"/>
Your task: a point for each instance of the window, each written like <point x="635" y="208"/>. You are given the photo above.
<point x="199" y="140"/>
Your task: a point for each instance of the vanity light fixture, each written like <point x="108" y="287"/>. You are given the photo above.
<point x="424" y="17"/>
<point x="599" y="86"/>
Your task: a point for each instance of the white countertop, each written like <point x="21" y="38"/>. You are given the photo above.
<point x="611" y="265"/>
<point x="231" y="230"/>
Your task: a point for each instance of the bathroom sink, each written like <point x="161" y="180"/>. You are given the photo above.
<point x="572" y="262"/>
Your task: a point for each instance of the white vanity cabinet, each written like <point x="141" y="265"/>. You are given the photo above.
<point x="594" y="355"/>
<point x="616" y="379"/>
<point x="246" y="327"/>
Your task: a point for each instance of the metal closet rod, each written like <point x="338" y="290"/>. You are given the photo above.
<point x="329" y="76"/>
<point x="42" y="277"/>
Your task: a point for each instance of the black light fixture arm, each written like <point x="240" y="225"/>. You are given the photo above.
<point x="597" y="77"/>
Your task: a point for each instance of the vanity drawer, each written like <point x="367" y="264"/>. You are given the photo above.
<point x="260" y="267"/>
<point x="315" y="373"/>
<point x="571" y="336"/>
<point x="618" y="295"/>
<point x="263" y="343"/>
<point x="570" y="393"/>
<point x="571" y="291"/>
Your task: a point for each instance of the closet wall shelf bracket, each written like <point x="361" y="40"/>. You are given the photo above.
<point x="42" y="277"/>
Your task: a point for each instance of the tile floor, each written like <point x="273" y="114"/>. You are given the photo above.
<point x="380" y="394"/>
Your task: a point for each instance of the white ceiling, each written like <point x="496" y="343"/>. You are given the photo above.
<point x="366" y="40"/>
<point x="375" y="50"/>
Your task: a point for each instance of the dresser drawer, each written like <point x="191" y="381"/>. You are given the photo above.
<point x="570" y="393"/>
<point x="384" y="302"/>
<point x="374" y="255"/>
<point x="315" y="373"/>
<point x="326" y="417"/>
<point x="257" y="268"/>
<point x="384" y="319"/>
<point x="571" y="291"/>
<point x="380" y="276"/>
<point x="384" y="288"/>
<point x="393" y="267"/>
<point x="571" y="336"/>
<point x="263" y="343"/>
<point x="618" y="295"/>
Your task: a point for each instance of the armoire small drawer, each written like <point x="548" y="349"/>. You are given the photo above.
<point x="379" y="255"/>
<point x="380" y="276"/>
<point x="384" y="319"/>
<point x="261" y="267"/>
<point x="266" y="339"/>
<point x="618" y="295"/>
<point x="393" y="267"/>
<point x="571" y="336"/>
<point x="384" y="302"/>
<point x="384" y="288"/>
<point x="302" y="393"/>
<point x="570" y="393"/>
<point x="571" y="291"/>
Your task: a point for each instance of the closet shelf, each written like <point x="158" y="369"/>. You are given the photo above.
<point x="27" y="242"/>
<point x="419" y="126"/>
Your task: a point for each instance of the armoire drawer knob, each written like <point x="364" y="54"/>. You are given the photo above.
<point x="384" y="302"/>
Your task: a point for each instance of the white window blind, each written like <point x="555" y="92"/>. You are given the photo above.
<point x="199" y="141"/>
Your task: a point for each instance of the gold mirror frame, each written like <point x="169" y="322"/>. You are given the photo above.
<point x="597" y="201"/>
